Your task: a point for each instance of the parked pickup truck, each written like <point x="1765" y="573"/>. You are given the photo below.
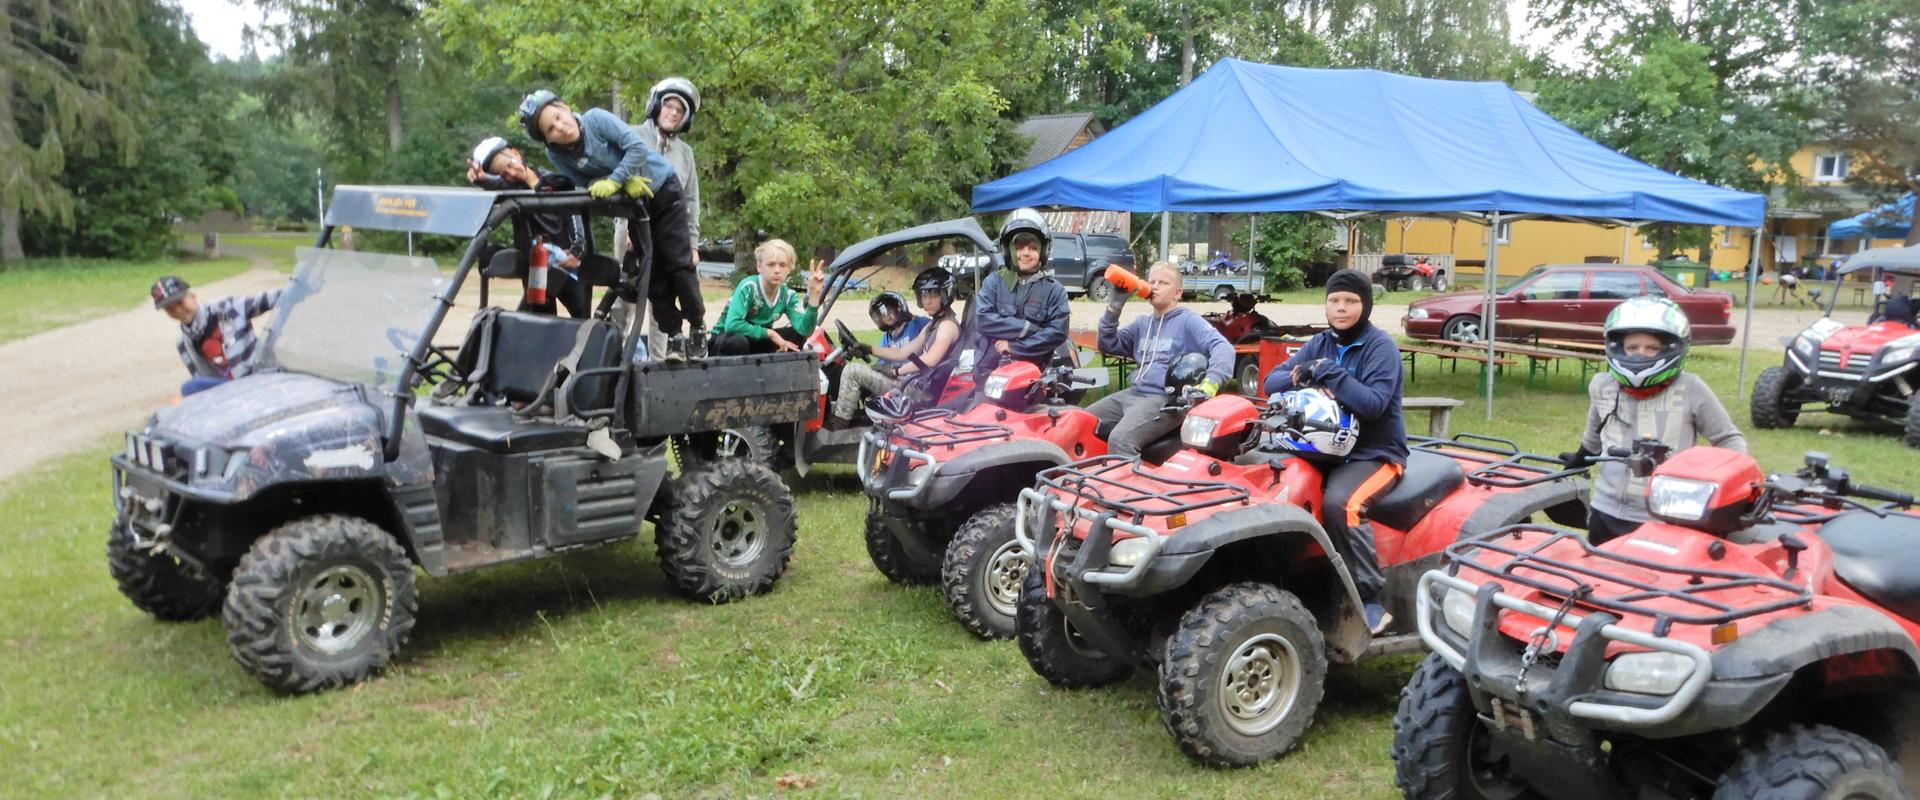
<point x="1079" y="260"/>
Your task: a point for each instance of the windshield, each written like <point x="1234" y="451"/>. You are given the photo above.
<point x="1508" y="286"/>
<point x="351" y="316"/>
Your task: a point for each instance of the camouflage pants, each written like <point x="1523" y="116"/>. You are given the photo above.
<point x="857" y="383"/>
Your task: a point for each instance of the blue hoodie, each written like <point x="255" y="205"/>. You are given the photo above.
<point x="608" y="148"/>
<point x="1368" y="385"/>
<point x="1155" y="342"/>
<point x="1029" y="313"/>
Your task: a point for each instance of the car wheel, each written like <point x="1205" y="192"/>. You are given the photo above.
<point x="1247" y="374"/>
<point x="1769" y="406"/>
<point x="1054" y="649"/>
<point x="1813" y="761"/>
<point x="1461" y="328"/>
<point x="1223" y="293"/>
<point x="1439" y="746"/>
<point x="984" y="568"/>
<point x="729" y="532"/>
<point x="318" y="603"/>
<point x="1098" y="289"/>
<point x="170" y="588"/>
<point x="1440" y="283"/>
<point x="1243" y="674"/>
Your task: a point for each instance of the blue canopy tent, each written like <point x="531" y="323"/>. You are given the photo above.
<point x="1891" y="221"/>
<point x="1246" y="137"/>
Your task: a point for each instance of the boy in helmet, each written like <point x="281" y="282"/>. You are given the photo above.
<point x="1359" y="365"/>
<point x="217" y="342"/>
<point x="671" y="105"/>
<point x="920" y="348"/>
<point x="600" y="151"/>
<point x="1644" y="393"/>
<point x="1023" y="311"/>
<point x="1154" y="341"/>
<point x="497" y="166"/>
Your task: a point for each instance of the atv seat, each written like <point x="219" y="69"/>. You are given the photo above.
<point x="1879" y="558"/>
<point x="1429" y="478"/>
<point x="511" y="359"/>
<point x="496" y="430"/>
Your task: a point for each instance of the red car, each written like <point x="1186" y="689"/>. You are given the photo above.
<point x="1578" y="293"/>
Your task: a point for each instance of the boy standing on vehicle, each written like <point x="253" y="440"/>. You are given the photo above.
<point x="1644" y="394"/>
<point x="1359" y="365"/>
<point x="746" y="327"/>
<point x="671" y="105"/>
<point x="600" y="151"/>
<point x="1153" y="342"/>
<point x="217" y="342"/>
<point x="1023" y="311"/>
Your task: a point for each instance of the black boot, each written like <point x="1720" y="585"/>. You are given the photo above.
<point x="676" y="348"/>
<point x="696" y="344"/>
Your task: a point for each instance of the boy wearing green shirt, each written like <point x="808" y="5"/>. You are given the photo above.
<point x="746" y="326"/>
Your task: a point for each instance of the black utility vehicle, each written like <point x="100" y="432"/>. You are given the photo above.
<point x="296" y="502"/>
<point x="1079" y="261"/>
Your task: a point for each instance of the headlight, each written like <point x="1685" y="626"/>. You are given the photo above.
<point x="1807" y="348"/>
<point x="1457" y="608"/>
<point x="1897" y="355"/>
<point x="1128" y="552"/>
<point x="1649" y="673"/>
<point x="996" y="386"/>
<point x="1675" y="498"/>
<point x="1198" y="431"/>
<point x="1416" y="313"/>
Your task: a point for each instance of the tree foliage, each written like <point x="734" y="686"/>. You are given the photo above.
<point x="348" y="62"/>
<point x="1867" y="53"/>
<point x="68" y="71"/>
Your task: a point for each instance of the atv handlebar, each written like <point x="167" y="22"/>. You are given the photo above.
<point x="1884" y="495"/>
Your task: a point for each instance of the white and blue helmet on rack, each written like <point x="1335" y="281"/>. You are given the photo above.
<point x="1318" y="428"/>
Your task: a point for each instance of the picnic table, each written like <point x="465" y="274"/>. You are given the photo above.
<point x="1539" y="358"/>
<point x="1449" y="352"/>
<point x="1560" y="331"/>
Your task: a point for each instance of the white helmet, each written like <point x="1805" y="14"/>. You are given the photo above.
<point x="676" y="85"/>
<point x="1318" y="428"/>
<point x="1025" y="222"/>
<point x="1655" y="315"/>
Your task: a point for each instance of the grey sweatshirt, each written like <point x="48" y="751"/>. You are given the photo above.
<point x="1685" y="411"/>
<point x="1155" y="341"/>
<point x="679" y="155"/>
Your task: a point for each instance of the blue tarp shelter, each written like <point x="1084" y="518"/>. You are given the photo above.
<point x="1255" y="137"/>
<point x="1246" y="137"/>
<point x="1891" y="221"/>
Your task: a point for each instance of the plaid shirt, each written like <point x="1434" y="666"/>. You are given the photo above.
<point x="234" y="316"/>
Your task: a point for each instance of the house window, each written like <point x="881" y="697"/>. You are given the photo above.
<point x="1726" y="238"/>
<point x="1830" y="167"/>
<point x="1503" y="233"/>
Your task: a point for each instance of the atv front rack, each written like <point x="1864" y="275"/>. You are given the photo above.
<point x="1118" y="483"/>
<point x="940" y="427"/>
<point x="1562" y="578"/>
<point x="1503" y="465"/>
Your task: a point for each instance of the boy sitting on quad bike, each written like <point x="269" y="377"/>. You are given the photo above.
<point x="1359" y="365"/>
<point x="1644" y="394"/>
<point x="904" y="350"/>
<point x="746" y="326"/>
<point x="1138" y="415"/>
<point x="1023" y="310"/>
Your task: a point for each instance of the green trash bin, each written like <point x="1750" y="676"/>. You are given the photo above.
<point x="1686" y="272"/>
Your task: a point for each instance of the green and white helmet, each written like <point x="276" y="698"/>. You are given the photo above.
<point x="1660" y="317"/>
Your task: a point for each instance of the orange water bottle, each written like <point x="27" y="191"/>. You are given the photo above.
<point x="1127" y="281"/>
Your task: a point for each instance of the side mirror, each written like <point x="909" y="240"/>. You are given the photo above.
<point x="506" y="263"/>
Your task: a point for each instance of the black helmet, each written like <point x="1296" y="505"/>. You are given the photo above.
<point x="676" y="85"/>
<point x="1187" y="370"/>
<point x="1025" y="221"/>
<point x="889" y="303"/>
<point x="934" y="279"/>
<point x="530" y="112"/>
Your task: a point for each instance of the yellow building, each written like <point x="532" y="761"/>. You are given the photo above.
<point x="1796" y="231"/>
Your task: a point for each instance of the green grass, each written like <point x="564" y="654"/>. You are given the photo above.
<point x="276" y="248"/>
<point x="586" y="676"/>
<point x="42" y="294"/>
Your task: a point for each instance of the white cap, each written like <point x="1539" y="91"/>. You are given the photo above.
<point x="486" y="150"/>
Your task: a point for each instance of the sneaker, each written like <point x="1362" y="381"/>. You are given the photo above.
<point x="834" y="422"/>
<point x="1377" y="618"/>
<point x="676" y="348"/>
<point x="696" y="344"/>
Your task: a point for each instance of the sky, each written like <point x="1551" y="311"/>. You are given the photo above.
<point x="220" y="24"/>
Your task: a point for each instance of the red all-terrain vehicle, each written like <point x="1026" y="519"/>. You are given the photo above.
<point x="1213" y="568"/>
<point x="1755" y="641"/>
<point x="1865" y="372"/>
<point x="943" y="483"/>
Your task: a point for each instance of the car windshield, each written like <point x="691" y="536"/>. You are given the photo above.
<point x="1509" y="285"/>
<point x="350" y="316"/>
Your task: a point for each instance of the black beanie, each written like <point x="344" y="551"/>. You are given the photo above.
<point x="1350" y="280"/>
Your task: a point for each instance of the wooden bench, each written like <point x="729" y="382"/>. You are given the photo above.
<point x="1410" y="353"/>
<point x="1439" y="412"/>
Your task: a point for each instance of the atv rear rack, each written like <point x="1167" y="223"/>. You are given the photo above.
<point x="1563" y="578"/>
<point x="1503" y="465"/>
<point x="1093" y="481"/>
<point x="941" y="427"/>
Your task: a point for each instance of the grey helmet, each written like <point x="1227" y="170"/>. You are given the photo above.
<point x="1655" y="315"/>
<point x="530" y="112"/>
<point x="1027" y="221"/>
<point x="676" y="85"/>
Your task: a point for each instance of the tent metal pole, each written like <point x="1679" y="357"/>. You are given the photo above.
<point x="1166" y="231"/>
<point x="1746" y="329"/>
<point x="1489" y="275"/>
